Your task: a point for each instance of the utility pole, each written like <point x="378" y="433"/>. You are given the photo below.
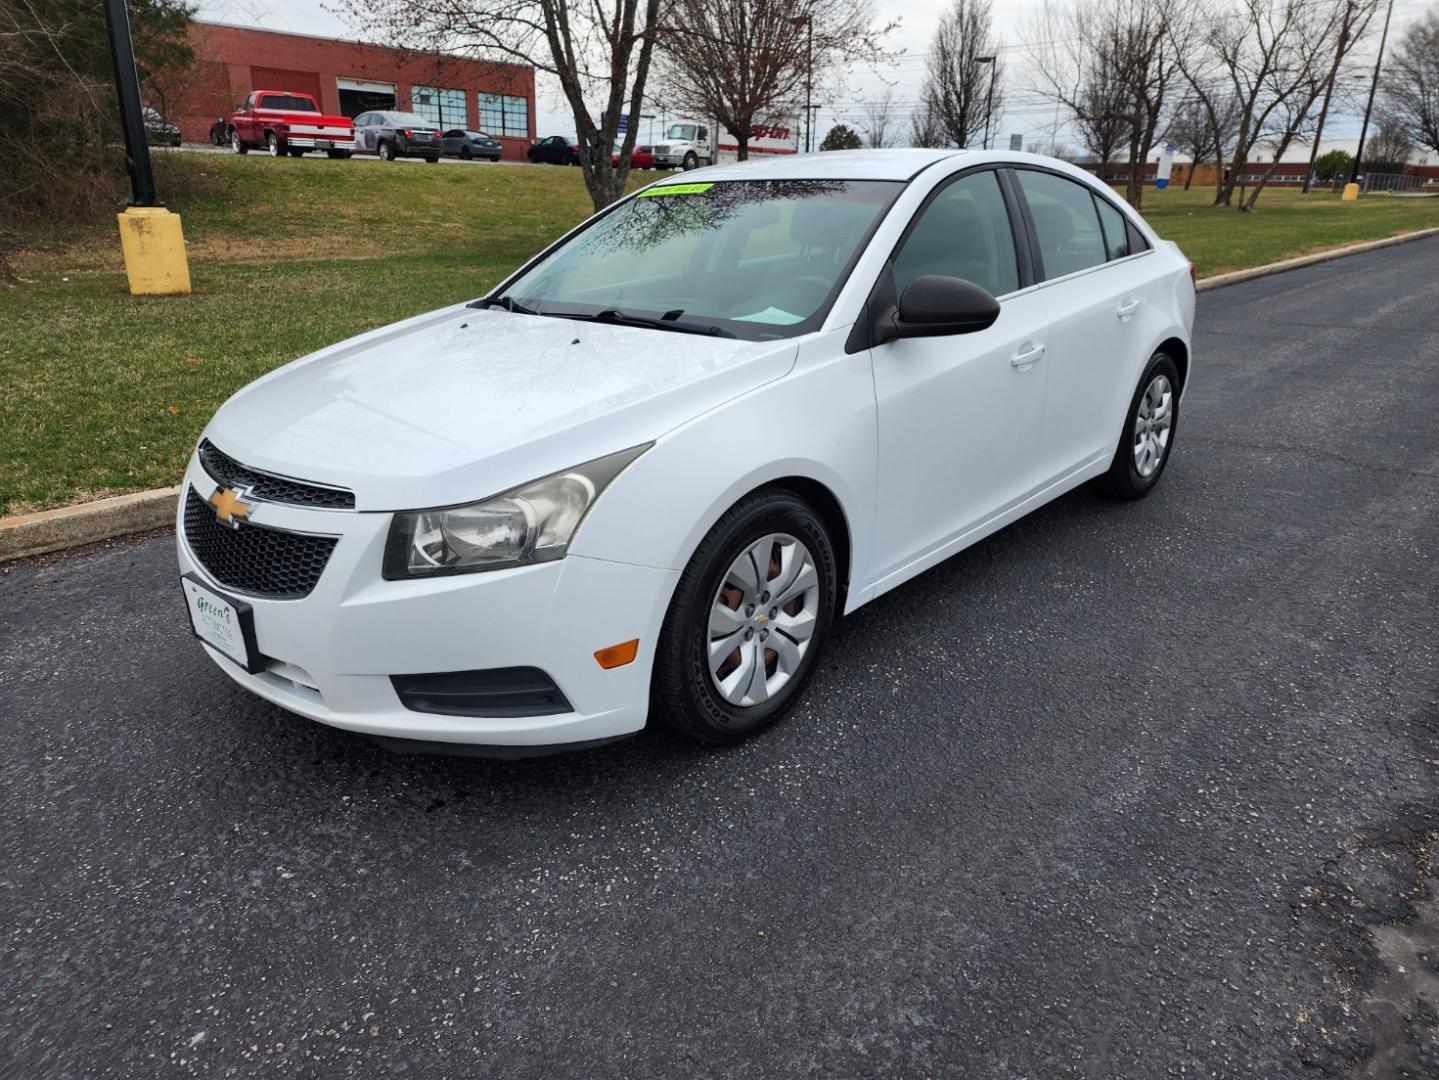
<point x="150" y="236"/>
<point x="808" y="21"/>
<point x="1369" y="106"/>
<point x="132" y="119"/>
<point x="1339" y="50"/>
<point x="989" y="97"/>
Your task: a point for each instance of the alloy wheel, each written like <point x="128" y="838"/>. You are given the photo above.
<point x="1152" y="424"/>
<point x="762" y="619"/>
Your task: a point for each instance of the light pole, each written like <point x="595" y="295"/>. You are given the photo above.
<point x="1369" y="106"/>
<point x="808" y="21"/>
<point x="150" y="236"/>
<point x="989" y="97"/>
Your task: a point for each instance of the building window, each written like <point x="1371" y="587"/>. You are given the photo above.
<point x="504" y="115"/>
<point x="443" y="108"/>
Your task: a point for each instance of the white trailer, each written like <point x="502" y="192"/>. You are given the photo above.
<point x="690" y="144"/>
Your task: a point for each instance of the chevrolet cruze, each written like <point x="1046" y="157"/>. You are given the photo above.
<point x="645" y="475"/>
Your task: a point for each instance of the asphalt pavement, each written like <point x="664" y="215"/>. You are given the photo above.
<point x="1125" y="790"/>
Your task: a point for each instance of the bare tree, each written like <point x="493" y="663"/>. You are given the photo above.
<point x="879" y="118"/>
<point x="1353" y="22"/>
<point x="744" y="62"/>
<point x="1114" y="64"/>
<point x="1202" y="137"/>
<point x="599" y="50"/>
<point x="925" y="128"/>
<point x="964" y="72"/>
<point x="1274" y="59"/>
<point x="1411" y="91"/>
<point x="1388" y="148"/>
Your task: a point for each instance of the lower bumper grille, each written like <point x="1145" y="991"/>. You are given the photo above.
<point x="252" y="558"/>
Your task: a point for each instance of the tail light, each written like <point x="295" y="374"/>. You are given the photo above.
<point x="1192" y="279"/>
<point x="406" y="132"/>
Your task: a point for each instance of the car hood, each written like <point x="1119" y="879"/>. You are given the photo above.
<point x="463" y="403"/>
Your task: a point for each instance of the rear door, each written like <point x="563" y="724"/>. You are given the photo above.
<point x="1092" y="303"/>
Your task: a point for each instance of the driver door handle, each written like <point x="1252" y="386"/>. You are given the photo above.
<point x="1026" y="356"/>
<point x="1127" y="309"/>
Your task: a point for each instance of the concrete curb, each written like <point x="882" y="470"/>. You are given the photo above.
<point x="1234" y="277"/>
<point x="105" y="519"/>
<point x="71" y="526"/>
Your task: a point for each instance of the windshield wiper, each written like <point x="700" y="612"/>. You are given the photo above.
<point x="509" y="303"/>
<point x="670" y="321"/>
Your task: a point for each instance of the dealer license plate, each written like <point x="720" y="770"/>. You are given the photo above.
<point x="225" y="624"/>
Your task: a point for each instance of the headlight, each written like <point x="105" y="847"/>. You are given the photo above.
<point x="528" y="524"/>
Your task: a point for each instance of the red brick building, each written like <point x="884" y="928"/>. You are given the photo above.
<point x="348" y="78"/>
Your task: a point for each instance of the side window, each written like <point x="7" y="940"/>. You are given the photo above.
<point x="1137" y="243"/>
<point x="1065" y="221"/>
<point x="964" y="232"/>
<point x="1116" y="236"/>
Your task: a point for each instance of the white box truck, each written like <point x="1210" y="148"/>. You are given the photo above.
<point x="689" y="144"/>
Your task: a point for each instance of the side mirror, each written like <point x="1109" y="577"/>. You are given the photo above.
<point x="933" y="305"/>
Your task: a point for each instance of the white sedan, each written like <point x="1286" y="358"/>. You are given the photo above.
<point x="646" y="474"/>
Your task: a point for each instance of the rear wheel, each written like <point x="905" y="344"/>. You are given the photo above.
<point x="237" y="144"/>
<point x="1148" y="436"/>
<point x="749" y="618"/>
<point x="273" y="142"/>
<point x="433" y="159"/>
<point x="466" y="153"/>
<point x="387" y="151"/>
<point x="337" y="154"/>
<point x="295" y="151"/>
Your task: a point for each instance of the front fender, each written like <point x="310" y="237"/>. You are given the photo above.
<point x="817" y="422"/>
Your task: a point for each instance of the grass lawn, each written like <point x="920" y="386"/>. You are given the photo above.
<point x="102" y="393"/>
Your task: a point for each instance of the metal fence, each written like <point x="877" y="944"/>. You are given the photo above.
<point x="1391" y="182"/>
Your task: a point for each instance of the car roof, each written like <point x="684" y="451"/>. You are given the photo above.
<point x="896" y="164"/>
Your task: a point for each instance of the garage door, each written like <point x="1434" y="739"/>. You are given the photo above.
<point x="306" y="82"/>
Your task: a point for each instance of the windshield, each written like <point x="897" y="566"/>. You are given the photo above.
<point x="682" y="132"/>
<point x="758" y="259"/>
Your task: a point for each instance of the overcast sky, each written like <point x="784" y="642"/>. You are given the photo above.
<point x="917" y="18"/>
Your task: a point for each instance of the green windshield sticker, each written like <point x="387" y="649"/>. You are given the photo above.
<point x="674" y="189"/>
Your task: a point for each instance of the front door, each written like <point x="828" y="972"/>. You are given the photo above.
<point x="958" y="416"/>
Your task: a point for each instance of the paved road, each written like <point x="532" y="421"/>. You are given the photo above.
<point x="1138" y="790"/>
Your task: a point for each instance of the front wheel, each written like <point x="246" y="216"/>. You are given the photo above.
<point x="1148" y="436"/>
<point x="237" y="144"/>
<point x="691" y="161"/>
<point x="748" y="621"/>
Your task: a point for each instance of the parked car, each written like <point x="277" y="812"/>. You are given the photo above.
<point x="398" y="134"/>
<point x="642" y="158"/>
<point x="287" y="122"/>
<point x="158" y="130"/>
<point x="219" y="130"/>
<point x="647" y="474"/>
<point x="555" y="150"/>
<point x="471" y="144"/>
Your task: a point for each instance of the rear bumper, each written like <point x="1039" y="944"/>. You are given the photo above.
<point x="311" y="142"/>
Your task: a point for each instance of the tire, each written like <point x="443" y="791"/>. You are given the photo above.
<point x="337" y="155"/>
<point x="295" y="151"/>
<point x="273" y="142"/>
<point x="387" y="151"/>
<point x="466" y="153"/>
<point x="237" y="145"/>
<point x="691" y="161"/>
<point x="1147" y="441"/>
<point x="722" y="705"/>
<point x="433" y="159"/>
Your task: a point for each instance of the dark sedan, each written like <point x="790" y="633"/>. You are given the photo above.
<point x="398" y="134"/>
<point x="472" y="144"/>
<point x="158" y="130"/>
<point x="555" y="150"/>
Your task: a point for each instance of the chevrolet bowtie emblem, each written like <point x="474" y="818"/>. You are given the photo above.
<point x="229" y="506"/>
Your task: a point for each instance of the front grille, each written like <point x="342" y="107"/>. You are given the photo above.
<point x="252" y="558"/>
<point x="229" y="472"/>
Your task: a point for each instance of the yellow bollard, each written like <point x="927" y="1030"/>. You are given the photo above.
<point x="154" y="250"/>
<point x="1351" y="192"/>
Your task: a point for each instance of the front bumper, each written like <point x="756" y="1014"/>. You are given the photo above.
<point x="329" y="655"/>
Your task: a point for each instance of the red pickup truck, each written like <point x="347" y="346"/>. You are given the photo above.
<point x="286" y="122"/>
